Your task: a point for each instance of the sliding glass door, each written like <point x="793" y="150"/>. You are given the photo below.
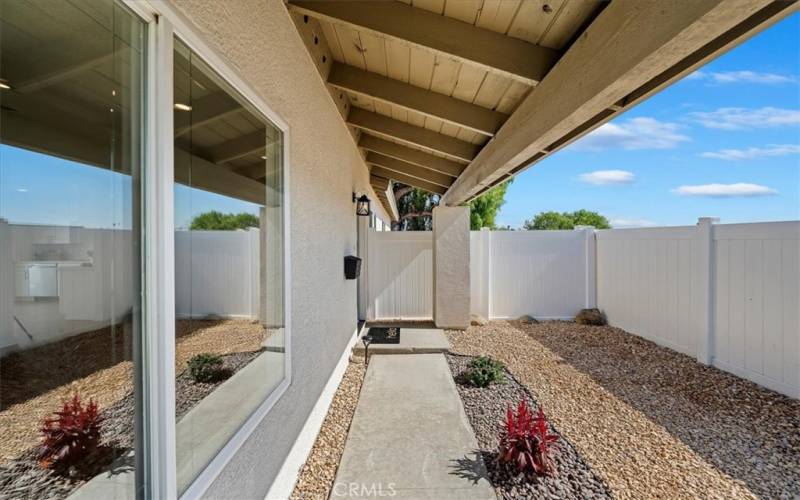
<point x="124" y="240"/>
<point x="71" y="149"/>
<point x="229" y="331"/>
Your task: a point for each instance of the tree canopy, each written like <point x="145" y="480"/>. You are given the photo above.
<point x="566" y="220"/>
<point x="218" y="221"/>
<point x="483" y="209"/>
<point x="415" y="207"/>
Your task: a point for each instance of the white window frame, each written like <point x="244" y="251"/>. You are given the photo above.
<point x="160" y="477"/>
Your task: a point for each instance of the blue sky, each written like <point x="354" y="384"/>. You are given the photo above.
<point x="41" y="189"/>
<point x="724" y="142"/>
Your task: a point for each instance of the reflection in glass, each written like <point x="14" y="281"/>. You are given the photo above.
<point x="229" y="341"/>
<point x="71" y="80"/>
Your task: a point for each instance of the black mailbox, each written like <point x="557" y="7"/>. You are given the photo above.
<point x="352" y="267"/>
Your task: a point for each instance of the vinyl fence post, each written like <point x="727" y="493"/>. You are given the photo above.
<point x="485" y="273"/>
<point x="705" y="276"/>
<point x="590" y="277"/>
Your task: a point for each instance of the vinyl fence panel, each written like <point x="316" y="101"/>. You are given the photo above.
<point x="646" y="285"/>
<point x="400" y="274"/>
<point x="756" y="303"/>
<point x="540" y="273"/>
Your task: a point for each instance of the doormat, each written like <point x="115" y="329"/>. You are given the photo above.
<point x="385" y="335"/>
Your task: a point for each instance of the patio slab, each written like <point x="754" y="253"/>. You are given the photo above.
<point x="412" y="341"/>
<point x="410" y="437"/>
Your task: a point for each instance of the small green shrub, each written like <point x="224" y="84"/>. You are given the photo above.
<point x="484" y="371"/>
<point x="207" y="367"/>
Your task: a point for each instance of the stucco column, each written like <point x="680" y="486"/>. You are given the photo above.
<point x="451" y="287"/>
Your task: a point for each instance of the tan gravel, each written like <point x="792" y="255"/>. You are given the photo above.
<point x="95" y="364"/>
<point x="653" y="423"/>
<point x="317" y="475"/>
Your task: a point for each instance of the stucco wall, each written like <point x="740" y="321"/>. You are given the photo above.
<point x="260" y="40"/>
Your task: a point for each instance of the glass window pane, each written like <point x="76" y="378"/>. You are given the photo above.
<point x="229" y="262"/>
<point x="71" y="83"/>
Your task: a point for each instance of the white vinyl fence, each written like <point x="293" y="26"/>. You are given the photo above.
<point x="400" y="275"/>
<point x="220" y="276"/>
<point x="218" y="273"/>
<point x="540" y="273"/>
<point x="726" y="294"/>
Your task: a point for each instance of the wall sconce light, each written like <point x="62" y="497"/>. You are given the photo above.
<point x="362" y="205"/>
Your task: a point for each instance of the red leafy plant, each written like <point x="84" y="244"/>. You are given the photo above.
<point x="526" y="442"/>
<point x="72" y="436"/>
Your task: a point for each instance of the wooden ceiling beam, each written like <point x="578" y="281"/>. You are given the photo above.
<point x="239" y="147"/>
<point x="484" y="48"/>
<point x="449" y="109"/>
<point x="630" y="51"/>
<point x="407" y="179"/>
<point x="205" y="110"/>
<point x="403" y="167"/>
<point x="428" y="139"/>
<point x="379" y="183"/>
<point x="415" y="156"/>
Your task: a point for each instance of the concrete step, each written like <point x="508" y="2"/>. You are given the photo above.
<point x="412" y="341"/>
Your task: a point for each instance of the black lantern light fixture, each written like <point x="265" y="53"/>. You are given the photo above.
<point x="362" y="205"/>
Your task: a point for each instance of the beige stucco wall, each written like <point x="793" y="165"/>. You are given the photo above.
<point x="259" y="39"/>
<point x="451" y="287"/>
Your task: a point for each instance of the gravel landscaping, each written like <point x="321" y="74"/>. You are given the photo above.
<point x="652" y="423"/>
<point x="24" y="478"/>
<point x="317" y="475"/>
<point x="94" y="364"/>
<point x="485" y="408"/>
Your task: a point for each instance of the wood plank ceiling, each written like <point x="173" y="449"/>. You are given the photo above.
<point x="423" y="85"/>
<point x="456" y="96"/>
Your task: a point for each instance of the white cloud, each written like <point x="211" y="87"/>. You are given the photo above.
<point x="746" y="118"/>
<point x="739" y="189"/>
<point x="605" y="177"/>
<point x="753" y="153"/>
<point x="22" y="190"/>
<point x="636" y="133"/>
<point x="722" y="77"/>
<point x="623" y="223"/>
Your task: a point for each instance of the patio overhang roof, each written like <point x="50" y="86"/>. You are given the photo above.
<point x="461" y="96"/>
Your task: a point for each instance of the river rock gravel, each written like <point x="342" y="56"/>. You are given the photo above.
<point x="651" y="422"/>
<point x="317" y="475"/>
<point x="485" y="408"/>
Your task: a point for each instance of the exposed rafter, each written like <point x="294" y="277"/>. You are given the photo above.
<point x="385" y="126"/>
<point x="491" y="51"/>
<point x="403" y="167"/>
<point x="411" y="155"/>
<point x="239" y="147"/>
<point x="464" y="114"/>
<point x="631" y="50"/>
<point x="379" y="183"/>
<point x="205" y="110"/>
<point x="407" y="179"/>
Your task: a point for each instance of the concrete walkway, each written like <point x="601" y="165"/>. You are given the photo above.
<point x="410" y="438"/>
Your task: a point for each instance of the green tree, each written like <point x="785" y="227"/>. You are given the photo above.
<point x="566" y="220"/>
<point x="217" y="221"/>
<point x="589" y="218"/>
<point x="483" y="209"/>
<point x="415" y="207"/>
